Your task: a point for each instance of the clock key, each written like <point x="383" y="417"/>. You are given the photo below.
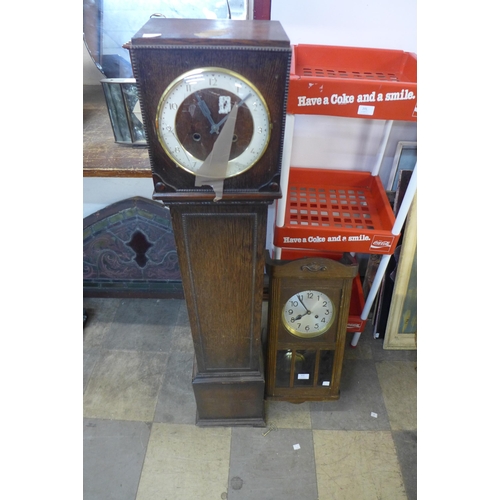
<point x="271" y="428"/>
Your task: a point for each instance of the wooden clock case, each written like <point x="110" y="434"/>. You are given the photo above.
<point x="307" y="369"/>
<point x="258" y="50"/>
<point x="220" y="244"/>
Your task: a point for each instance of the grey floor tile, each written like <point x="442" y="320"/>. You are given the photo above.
<point x="143" y="325"/>
<point x="124" y="385"/>
<point x="357" y="465"/>
<point x="90" y="358"/>
<point x="371" y="348"/>
<point x="362" y="350"/>
<point x="101" y="313"/>
<point x="185" y="462"/>
<point x="406" y="448"/>
<point x="113" y="456"/>
<point x="182" y="318"/>
<point x="283" y="415"/>
<point x="176" y="402"/>
<point x="361" y="405"/>
<point x="398" y="380"/>
<point x="269" y="468"/>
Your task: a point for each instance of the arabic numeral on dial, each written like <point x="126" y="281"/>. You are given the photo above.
<point x="172" y="106"/>
<point x="294" y="303"/>
<point x="310" y="295"/>
<point x="177" y="150"/>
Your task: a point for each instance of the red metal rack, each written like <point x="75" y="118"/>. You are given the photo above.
<point x="335" y="210"/>
<point x="353" y="82"/>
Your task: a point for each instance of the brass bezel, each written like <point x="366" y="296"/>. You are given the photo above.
<point x="197" y="71"/>
<point x="294" y="332"/>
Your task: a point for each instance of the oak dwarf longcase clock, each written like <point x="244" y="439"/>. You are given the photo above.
<point x="213" y="100"/>
<point x="307" y="323"/>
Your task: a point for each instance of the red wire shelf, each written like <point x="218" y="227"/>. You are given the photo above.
<point x="353" y="82"/>
<point x="336" y="211"/>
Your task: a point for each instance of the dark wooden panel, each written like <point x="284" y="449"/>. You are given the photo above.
<point x="230" y="400"/>
<point x="221" y="256"/>
<point x="212" y="32"/>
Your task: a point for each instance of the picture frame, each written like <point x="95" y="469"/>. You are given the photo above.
<point x="401" y="331"/>
<point x="405" y="158"/>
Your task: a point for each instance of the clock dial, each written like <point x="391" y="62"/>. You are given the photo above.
<point x="194" y="111"/>
<point x="308" y="314"/>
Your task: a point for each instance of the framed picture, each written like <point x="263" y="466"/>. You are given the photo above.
<point x="405" y="158"/>
<point x="401" y="330"/>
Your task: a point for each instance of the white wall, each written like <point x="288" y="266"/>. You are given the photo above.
<point x="382" y="24"/>
<point x="329" y="142"/>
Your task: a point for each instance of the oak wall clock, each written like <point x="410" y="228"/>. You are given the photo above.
<point x="308" y="311"/>
<point x="213" y="99"/>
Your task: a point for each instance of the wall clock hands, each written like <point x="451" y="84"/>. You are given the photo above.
<point x="301" y="301"/>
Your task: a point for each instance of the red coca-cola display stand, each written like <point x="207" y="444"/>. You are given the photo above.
<point x="325" y="210"/>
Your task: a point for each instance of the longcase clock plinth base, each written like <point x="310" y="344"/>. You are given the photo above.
<point x="230" y="399"/>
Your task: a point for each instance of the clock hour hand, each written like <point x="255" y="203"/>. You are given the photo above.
<point x="206" y="113"/>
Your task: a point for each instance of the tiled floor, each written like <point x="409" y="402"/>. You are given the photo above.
<point x="141" y="441"/>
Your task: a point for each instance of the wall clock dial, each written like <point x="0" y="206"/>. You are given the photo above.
<point x="308" y="313"/>
<point x="213" y="123"/>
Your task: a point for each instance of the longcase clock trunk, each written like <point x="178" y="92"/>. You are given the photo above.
<point x="221" y="255"/>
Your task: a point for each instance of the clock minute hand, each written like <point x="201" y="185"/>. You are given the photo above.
<point x="206" y="113"/>
<point x="307" y="310"/>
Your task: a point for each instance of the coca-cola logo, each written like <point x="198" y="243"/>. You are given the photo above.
<point x="354" y="325"/>
<point x="382" y="243"/>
